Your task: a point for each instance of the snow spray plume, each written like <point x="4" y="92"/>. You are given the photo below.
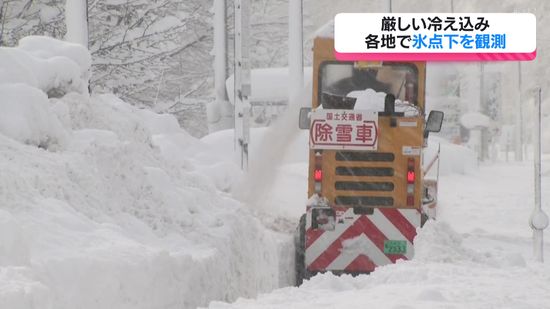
<point x="264" y="163"/>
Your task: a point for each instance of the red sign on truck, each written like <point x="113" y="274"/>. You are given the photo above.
<point x="343" y="129"/>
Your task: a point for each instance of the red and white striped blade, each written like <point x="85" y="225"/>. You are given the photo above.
<point x="358" y="244"/>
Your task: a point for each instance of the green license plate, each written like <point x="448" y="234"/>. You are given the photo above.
<point x="395" y="246"/>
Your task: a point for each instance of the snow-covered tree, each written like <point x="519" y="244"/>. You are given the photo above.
<point x="19" y="18"/>
<point x="158" y="53"/>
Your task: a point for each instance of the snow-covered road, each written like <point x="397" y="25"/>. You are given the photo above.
<point x="478" y="254"/>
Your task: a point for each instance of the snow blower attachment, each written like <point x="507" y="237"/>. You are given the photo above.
<point x="366" y="186"/>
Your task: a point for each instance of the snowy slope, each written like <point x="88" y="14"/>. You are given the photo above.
<point x="103" y="205"/>
<point x="477" y="255"/>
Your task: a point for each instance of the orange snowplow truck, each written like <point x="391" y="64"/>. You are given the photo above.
<point x="367" y="130"/>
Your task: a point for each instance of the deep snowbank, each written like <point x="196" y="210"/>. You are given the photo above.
<point x="27" y="117"/>
<point x="118" y="207"/>
<point x="53" y="66"/>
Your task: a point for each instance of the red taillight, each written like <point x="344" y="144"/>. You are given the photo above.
<point x="318" y="175"/>
<point x="318" y="172"/>
<point x="411" y="176"/>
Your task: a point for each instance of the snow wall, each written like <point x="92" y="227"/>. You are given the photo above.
<point x="104" y="205"/>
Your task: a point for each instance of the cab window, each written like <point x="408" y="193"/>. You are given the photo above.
<point x="349" y="85"/>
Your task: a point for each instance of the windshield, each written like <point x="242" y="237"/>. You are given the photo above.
<point x="347" y="85"/>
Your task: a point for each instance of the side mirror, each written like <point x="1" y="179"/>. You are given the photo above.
<point x="435" y="120"/>
<point x="304" y="120"/>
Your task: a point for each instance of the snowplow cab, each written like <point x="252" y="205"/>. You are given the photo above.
<point x="393" y="90"/>
<point x="365" y="184"/>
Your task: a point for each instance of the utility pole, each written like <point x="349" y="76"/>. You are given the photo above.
<point x="2" y="21"/>
<point x="219" y="49"/>
<point x="519" y="121"/>
<point x="295" y="49"/>
<point x="220" y="112"/>
<point x="76" y="21"/>
<point x="518" y="132"/>
<point x="483" y="135"/>
<point x="538" y="220"/>
<point x="242" y="87"/>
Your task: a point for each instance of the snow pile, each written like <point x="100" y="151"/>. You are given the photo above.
<point x="39" y="68"/>
<point x="27" y="117"/>
<point x="370" y="99"/>
<point x="53" y="66"/>
<point x="438" y="242"/>
<point x="126" y="211"/>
